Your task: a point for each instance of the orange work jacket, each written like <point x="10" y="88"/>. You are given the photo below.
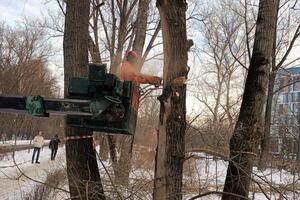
<point x="130" y="73"/>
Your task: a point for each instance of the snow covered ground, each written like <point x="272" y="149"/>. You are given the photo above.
<point x="216" y="169"/>
<point x="14" y="185"/>
<point x="212" y="173"/>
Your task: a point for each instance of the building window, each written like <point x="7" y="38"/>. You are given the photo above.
<point x="285" y="98"/>
<point x="295" y="85"/>
<point x="290" y="108"/>
<point x="295" y="99"/>
<point x="283" y="84"/>
<point x="279" y="98"/>
<point x="295" y="108"/>
<point x="290" y="97"/>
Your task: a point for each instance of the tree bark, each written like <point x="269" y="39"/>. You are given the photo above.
<point x="249" y="127"/>
<point x="122" y="33"/>
<point x="141" y="28"/>
<point x="82" y="169"/>
<point x="94" y="50"/>
<point x="265" y="142"/>
<point x="123" y="167"/>
<point x="172" y="124"/>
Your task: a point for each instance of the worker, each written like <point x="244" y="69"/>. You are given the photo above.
<point x="129" y="71"/>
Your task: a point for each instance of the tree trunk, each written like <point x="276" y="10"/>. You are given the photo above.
<point x="265" y="142"/>
<point x="227" y="105"/>
<point x="249" y="127"/>
<point x="141" y="28"/>
<point x="123" y="167"/>
<point x="94" y="50"/>
<point x="117" y="59"/>
<point x="82" y="169"/>
<point x="104" y="149"/>
<point x="172" y="124"/>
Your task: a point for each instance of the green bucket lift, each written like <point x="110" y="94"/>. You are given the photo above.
<point x="100" y="102"/>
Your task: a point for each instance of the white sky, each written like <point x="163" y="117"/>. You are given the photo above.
<point x="13" y="10"/>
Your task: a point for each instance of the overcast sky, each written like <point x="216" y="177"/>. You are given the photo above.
<point x="12" y="11"/>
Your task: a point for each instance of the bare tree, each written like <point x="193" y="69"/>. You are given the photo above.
<point x="219" y="80"/>
<point x="83" y="174"/>
<point x="249" y="127"/>
<point x="172" y="124"/>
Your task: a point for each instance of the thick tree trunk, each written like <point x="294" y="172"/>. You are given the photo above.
<point x="249" y="127"/>
<point x="172" y="124"/>
<point x="265" y="142"/>
<point x="82" y="169"/>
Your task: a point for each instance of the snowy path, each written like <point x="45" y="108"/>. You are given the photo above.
<point x="210" y="172"/>
<point x="19" y="145"/>
<point x="13" y="185"/>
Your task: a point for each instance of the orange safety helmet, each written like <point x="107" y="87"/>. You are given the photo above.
<point x="129" y="55"/>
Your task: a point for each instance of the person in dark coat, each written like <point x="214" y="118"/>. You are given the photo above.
<point x="53" y="145"/>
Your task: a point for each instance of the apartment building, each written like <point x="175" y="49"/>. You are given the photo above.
<point x="286" y="114"/>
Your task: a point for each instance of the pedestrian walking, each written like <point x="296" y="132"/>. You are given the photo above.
<point x="53" y="145"/>
<point x="38" y="143"/>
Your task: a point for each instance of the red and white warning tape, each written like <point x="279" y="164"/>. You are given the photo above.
<point x="78" y="137"/>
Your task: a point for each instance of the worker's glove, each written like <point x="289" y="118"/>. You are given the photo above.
<point x="157" y="81"/>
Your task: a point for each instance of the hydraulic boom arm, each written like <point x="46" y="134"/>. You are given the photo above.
<point x="100" y="102"/>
